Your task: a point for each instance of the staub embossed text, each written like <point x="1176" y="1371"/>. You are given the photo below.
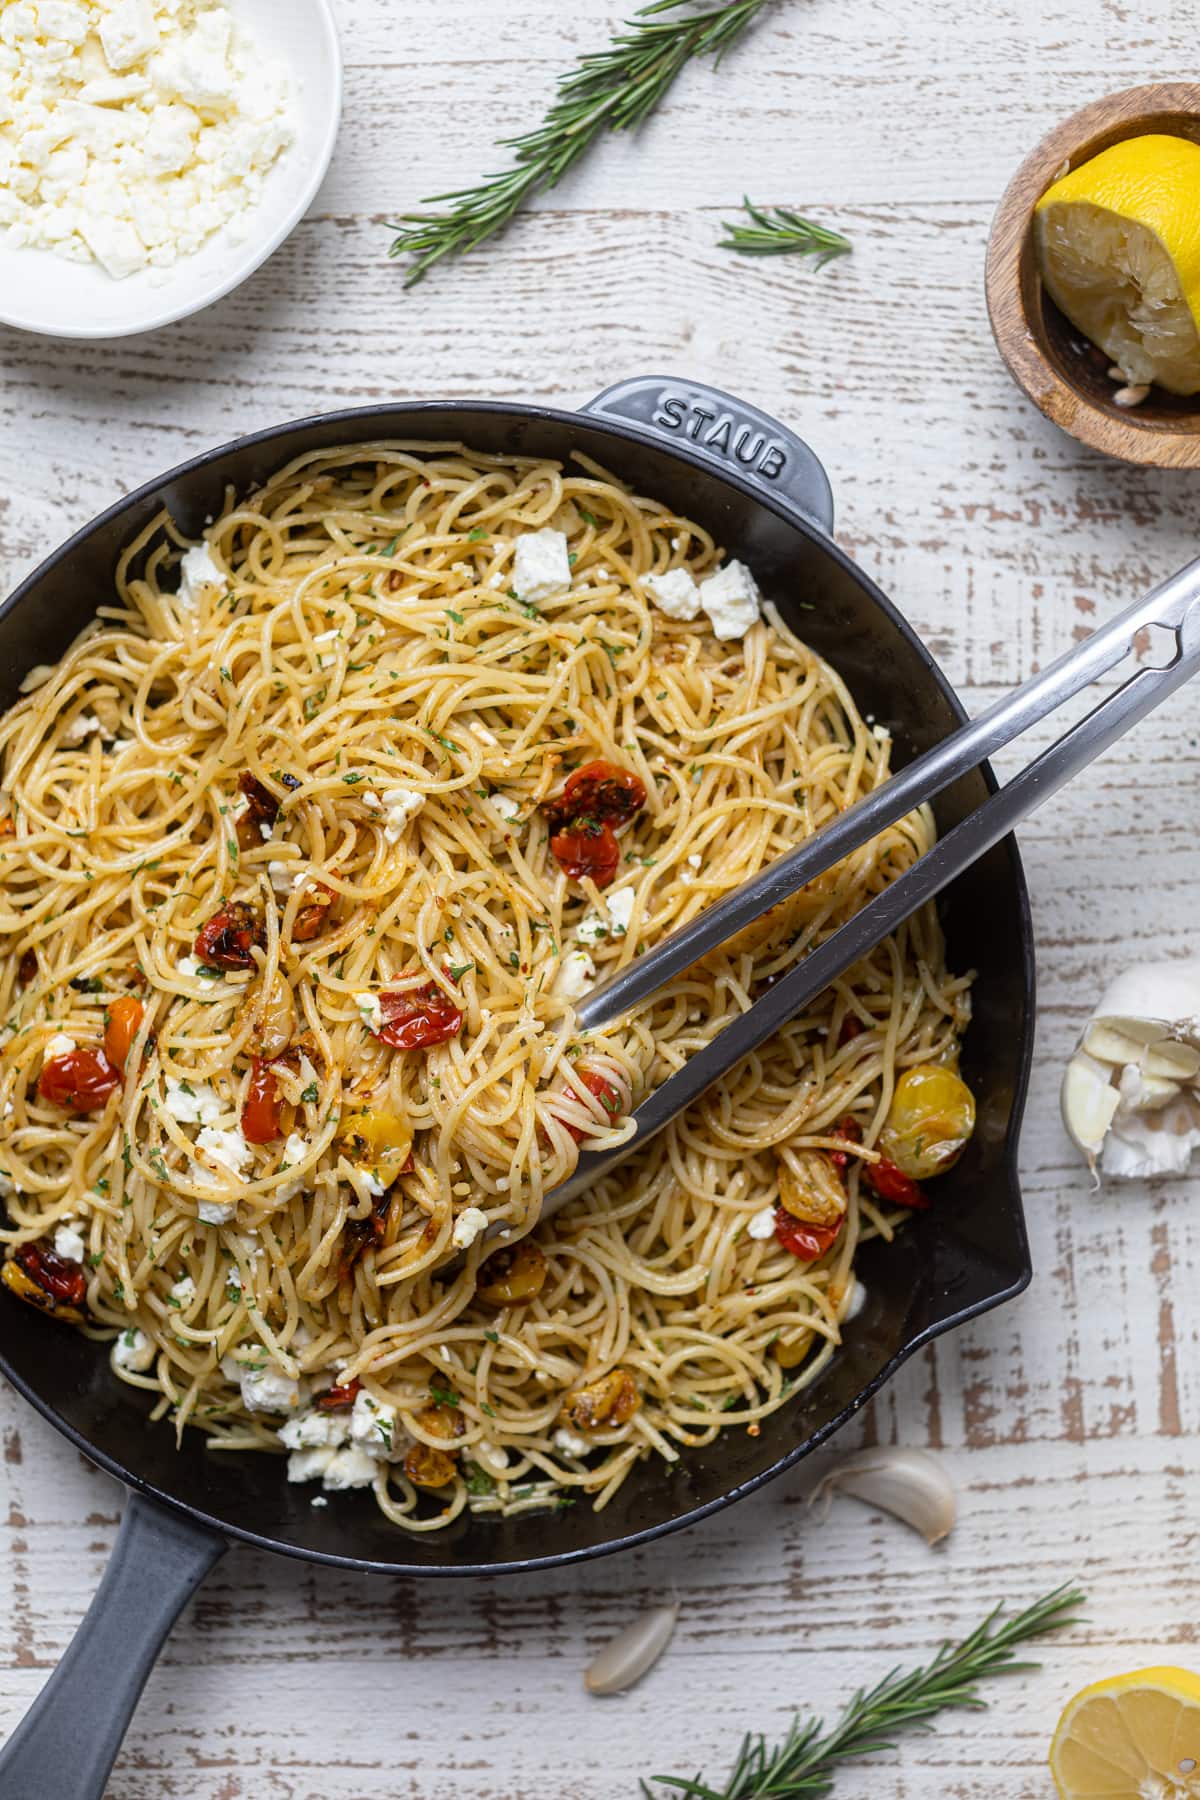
<point x="723" y="433"/>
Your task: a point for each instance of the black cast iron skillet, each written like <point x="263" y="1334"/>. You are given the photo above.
<point x="765" y="497"/>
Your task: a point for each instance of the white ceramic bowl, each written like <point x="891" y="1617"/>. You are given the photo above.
<point x="42" y="292"/>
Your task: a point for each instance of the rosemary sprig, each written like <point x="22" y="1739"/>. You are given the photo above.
<point x="608" y="90"/>
<point x="805" y="1763"/>
<point x="777" y="231"/>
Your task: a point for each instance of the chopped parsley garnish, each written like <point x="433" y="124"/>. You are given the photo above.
<point x="442" y="1395"/>
<point x="477" y="536"/>
<point x="458" y="970"/>
<point x="456" y="616"/>
<point x="478" y="1480"/>
<point x="87" y="984"/>
<point x="311" y="1093"/>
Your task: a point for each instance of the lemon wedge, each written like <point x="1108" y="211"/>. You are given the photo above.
<point x="1118" y="241"/>
<point x="1132" y="1737"/>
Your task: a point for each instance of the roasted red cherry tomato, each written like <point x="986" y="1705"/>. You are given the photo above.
<point x="850" y="1131"/>
<point x="339" y="1398"/>
<point x="262" y="808"/>
<point x="418" y="1018"/>
<point x="889" y="1183"/>
<point x="587" y="847"/>
<point x="852" y="1027"/>
<point x="600" y="790"/>
<point x="62" y="1280"/>
<point x="227" y="939"/>
<point x="122" y="1022"/>
<point x="81" y="1080"/>
<point x="313" y="916"/>
<point x="804" y="1240"/>
<point x="260" y="1110"/>
<point x="606" y="1091"/>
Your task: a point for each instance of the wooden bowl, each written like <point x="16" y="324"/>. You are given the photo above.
<point x="1061" y="372"/>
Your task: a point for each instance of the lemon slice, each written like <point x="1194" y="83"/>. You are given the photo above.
<point x="1133" y="1737"/>
<point x="1118" y="241"/>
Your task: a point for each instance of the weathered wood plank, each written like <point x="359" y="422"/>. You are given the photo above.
<point x="1071" y="1417"/>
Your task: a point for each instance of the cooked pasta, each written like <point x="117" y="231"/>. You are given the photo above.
<point x="311" y="843"/>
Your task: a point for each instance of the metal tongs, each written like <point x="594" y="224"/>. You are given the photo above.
<point x="1174" y="607"/>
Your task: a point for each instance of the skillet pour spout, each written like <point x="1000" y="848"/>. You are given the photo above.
<point x="764" y="495"/>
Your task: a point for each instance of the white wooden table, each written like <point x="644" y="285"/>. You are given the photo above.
<point x="1069" y="1418"/>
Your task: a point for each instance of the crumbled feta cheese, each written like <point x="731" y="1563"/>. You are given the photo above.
<point x="192" y="1104"/>
<point x="59" y="1045"/>
<point x="82" y="727"/>
<point x="214" y="1212"/>
<point x="128" y="32"/>
<point x="184" y="1291"/>
<point x="188" y="965"/>
<point x="571" y="1443"/>
<point x="402" y="805"/>
<point x="370" y="1009"/>
<point x="762" y="1225"/>
<point x="349" y="1468"/>
<point x="620" y="909"/>
<point x="540" y="567"/>
<point x="508" y="808"/>
<point x="373" y="1426"/>
<point x="132" y="1349"/>
<point x="314" y="1428"/>
<point x="133" y="130"/>
<point x="69" y="1244"/>
<point x="295" y="1150"/>
<point x="575" y="971"/>
<point x="309" y="1465"/>
<point x="731" y="600"/>
<point x="467" y="1227"/>
<point x="317" y="1499"/>
<point x="285" y="876"/>
<point x="674" y="593"/>
<point x="695" y="860"/>
<point x="228" y="1149"/>
<point x="265" y="1386"/>
<point x="592" y="929"/>
<point x="199" y="575"/>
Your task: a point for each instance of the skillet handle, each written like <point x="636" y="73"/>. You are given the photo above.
<point x="66" y="1744"/>
<point x="736" y="436"/>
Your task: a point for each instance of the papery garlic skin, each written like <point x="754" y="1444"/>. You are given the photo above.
<point x="912" y="1485"/>
<point x="1131" y="1091"/>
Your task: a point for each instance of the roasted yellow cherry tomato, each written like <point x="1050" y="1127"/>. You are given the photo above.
<point x="610" y="1401"/>
<point x="379" y="1140"/>
<point x="512" y="1276"/>
<point x="931" y="1117"/>
<point x="810" y="1187"/>
<point x="428" y="1468"/>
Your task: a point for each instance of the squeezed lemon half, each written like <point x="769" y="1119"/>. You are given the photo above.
<point x="1118" y="242"/>
<point x="1132" y="1737"/>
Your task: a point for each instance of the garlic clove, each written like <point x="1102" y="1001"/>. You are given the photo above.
<point x="634" y="1651"/>
<point x="912" y="1485"/>
<point x="1131" y="1091"/>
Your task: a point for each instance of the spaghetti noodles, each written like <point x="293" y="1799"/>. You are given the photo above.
<point x="305" y="866"/>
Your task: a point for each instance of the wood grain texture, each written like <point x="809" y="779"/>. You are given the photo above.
<point x="1071" y="1419"/>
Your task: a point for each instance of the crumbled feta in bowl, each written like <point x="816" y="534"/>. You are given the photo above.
<point x="166" y="148"/>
